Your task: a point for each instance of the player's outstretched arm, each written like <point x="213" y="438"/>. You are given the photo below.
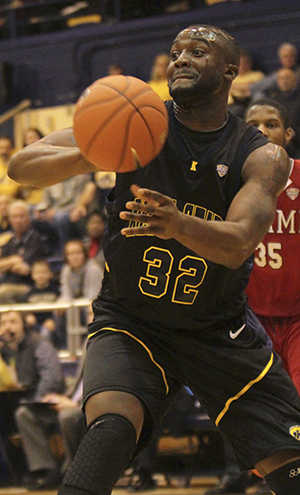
<point x="51" y="160"/>
<point x="228" y="243"/>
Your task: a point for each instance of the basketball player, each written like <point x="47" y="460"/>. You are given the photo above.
<point x="274" y="285"/>
<point x="277" y="265"/>
<point x="172" y="311"/>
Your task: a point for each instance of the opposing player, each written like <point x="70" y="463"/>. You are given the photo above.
<point x="172" y="310"/>
<point x="274" y="287"/>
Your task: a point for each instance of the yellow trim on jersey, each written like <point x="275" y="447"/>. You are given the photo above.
<point x="244" y="390"/>
<point x="143" y="345"/>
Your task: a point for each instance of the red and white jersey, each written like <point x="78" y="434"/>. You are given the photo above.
<point x="274" y="285"/>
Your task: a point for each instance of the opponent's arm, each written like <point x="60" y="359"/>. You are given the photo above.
<point x="50" y="160"/>
<point x="251" y="212"/>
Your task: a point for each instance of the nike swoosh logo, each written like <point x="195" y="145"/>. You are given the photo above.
<point x="234" y="335"/>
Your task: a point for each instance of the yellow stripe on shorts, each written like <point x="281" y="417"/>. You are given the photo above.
<point x="142" y="344"/>
<point x="244" y="390"/>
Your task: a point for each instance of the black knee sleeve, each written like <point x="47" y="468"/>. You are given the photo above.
<point x="103" y="455"/>
<point x="286" y="479"/>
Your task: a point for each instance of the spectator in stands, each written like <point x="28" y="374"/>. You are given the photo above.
<point x="18" y="254"/>
<point x="80" y="277"/>
<point x="32" y="135"/>
<point x="8" y="376"/>
<point x="38" y="371"/>
<point x="95" y="226"/>
<point x="45" y="290"/>
<point x="33" y="195"/>
<point x="64" y="205"/>
<point x="104" y="182"/>
<point x="6" y="151"/>
<point x="288" y="59"/>
<point x="7" y="185"/>
<point x="287" y="93"/>
<point x="5" y="228"/>
<point x="158" y="80"/>
<point x="240" y="94"/>
<point x="5" y="201"/>
<point x="36" y="363"/>
<point x="115" y="70"/>
<point x="62" y="413"/>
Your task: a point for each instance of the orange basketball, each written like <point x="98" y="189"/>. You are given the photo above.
<point x="116" y="118"/>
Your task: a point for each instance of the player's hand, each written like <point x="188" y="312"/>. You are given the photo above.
<point x="58" y="402"/>
<point x="156" y="214"/>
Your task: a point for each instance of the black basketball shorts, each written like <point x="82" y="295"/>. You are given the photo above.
<point x="232" y="370"/>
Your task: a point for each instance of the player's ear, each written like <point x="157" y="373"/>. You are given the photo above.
<point x="231" y="71"/>
<point x="289" y="134"/>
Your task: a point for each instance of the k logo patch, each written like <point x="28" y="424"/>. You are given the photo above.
<point x="293" y="193"/>
<point x="295" y="432"/>
<point x="222" y="170"/>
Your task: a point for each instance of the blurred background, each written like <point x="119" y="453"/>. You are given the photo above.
<point x="50" y="50"/>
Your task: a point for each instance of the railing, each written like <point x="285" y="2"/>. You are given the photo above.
<point x="74" y="328"/>
<point x="23" y="105"/>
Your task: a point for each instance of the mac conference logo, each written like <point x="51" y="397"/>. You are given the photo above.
<point x="222" y="170"/>
<point x="295" y="432"/>
<point x="293" y="193"/>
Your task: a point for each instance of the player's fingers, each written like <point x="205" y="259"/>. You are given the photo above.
<point x="143" y="230"/>
<point x="134" y="217"/>
<point x="141" y="207"/>
<point x="153" y="197"/>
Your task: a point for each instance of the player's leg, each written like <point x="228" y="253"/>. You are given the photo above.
<point x="273" y="405"/>
<point x="119" y="406"/>
<point x="107" y="447"/>
<point x="257" y="406"/>
<point x="291" y="338"/>
<point x="282" y="472"/>
<point x="284" y="467"/>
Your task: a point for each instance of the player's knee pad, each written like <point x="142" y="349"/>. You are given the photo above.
<point x="103" y="455"/>
<point x="286" y="479"/>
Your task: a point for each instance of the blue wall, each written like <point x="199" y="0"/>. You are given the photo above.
<point x="53" y="69"/>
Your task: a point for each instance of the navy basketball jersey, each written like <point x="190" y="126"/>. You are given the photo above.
<point x="161" y="281"/>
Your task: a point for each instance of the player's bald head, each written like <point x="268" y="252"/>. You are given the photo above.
<point x="215" y="37"/>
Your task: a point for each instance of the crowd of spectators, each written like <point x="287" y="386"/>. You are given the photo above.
<point x="37" y="234"/>
<point x="282" y="85"/>
<point x="31" y="368"/>
<point x="50" y="251"/>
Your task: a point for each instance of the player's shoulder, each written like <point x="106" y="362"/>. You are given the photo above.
<point x="295" y="172"/>
<point x="296" y="165"/>
<point x="268" y="160"/>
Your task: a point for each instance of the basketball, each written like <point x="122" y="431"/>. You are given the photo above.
<point x="118" y="118"/>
